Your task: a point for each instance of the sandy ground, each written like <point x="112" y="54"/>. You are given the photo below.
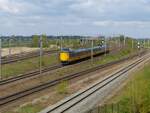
<point x="17" y="50"/>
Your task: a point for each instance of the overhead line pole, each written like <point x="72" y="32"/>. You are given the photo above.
<point x="61" y="45"/>
<point x="139" y="47"/>
<point x="1" y="59"/>
<point x="119" y="43"/>
<point x="109" y="43"/>
<point x="124" y="41"/>
<point x="144" y="43"/>
<point x="9" y="47"/>
<point x="132" y="43"/>
<point x="92" y="51"/>
<point x="21" y="45"/>
<point x="41" y="52"/>
<point x="105" y="45"/>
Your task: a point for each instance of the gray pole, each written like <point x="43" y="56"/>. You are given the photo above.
<point x="21" y="51"/>
<point x="116" y="42"/>
<point x="147" y="43"/>
<point x="9" y="47"/>
<point x="119" y="43"/>
<point x="61" y="45"/>
<point x="144" y="43"/>
<point x="92" y="51"/>
<point x="109" y="43"/>
<point x="139" y="47"/>
<point x="41" y="52"/>
<point x="105" y="45"/>
<point x="132" y="43"/>
<point x="124" y="41"/>
<point x="57" y="43"/>
<point x="1" y="59"/>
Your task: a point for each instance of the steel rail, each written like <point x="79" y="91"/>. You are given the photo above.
<point x="24" y="56"/>
<point x="37" y="72"/>
<point x="108" y="80"/>
<point x="29" y="75"/>
<point x="10" y="98"/>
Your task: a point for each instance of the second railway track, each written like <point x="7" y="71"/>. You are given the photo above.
<point x="28" y="75"/>
<point x="23" y="56"/>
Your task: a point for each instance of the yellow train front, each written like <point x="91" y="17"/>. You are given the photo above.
<point x="68" y="56"/>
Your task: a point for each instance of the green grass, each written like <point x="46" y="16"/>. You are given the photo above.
<point x="112" y="57"/>
<point x="24" y="66"/>
<point x="135" y="97"/>
<point x="21" y="67"/>
<point x="31" y="64"/>
<point x="62" y="87"/>
<point x="27" y="65"/>
<point x="29" y="109"/>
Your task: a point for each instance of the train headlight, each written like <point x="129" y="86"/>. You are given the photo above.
<point x="64" y="56"/>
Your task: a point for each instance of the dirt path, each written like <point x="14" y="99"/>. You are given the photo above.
<point x="17" y="50"/>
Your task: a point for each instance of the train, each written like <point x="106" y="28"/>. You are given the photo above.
<point x="67" y="56"/>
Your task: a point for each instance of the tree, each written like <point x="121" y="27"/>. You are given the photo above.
<point x="122" y="38"/>
<point x="45" y="41"/>
<point x="35" y="41"/>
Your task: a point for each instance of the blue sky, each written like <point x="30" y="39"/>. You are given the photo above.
<point x="75" y="17"/>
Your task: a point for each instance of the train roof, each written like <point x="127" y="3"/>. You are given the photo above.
<point x="80" y="50"/>
<point x="97" y="47"/>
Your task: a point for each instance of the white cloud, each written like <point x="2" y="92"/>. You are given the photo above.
<point x="20" y="7"/>
<point x="88" y="16"/>
<point x="136" y="24"/>
<point x="111" y="9"/>
<point x="10" y="6"/>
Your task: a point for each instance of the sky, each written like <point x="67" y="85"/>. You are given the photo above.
<point x="75" y="17"/>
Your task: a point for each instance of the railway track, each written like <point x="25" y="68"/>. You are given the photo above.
<point x="23" y="56"/>
<point x="13" y="97"/>
<point x="28" y="75"/>
<point x="37" y="72"/>
<point x="66" y="105"/>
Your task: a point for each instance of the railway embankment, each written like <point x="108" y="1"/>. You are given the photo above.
<point x="132" y="96"/>
<point x="46" y="100"/>
<point x="90" y="96"/>
<point x="106" y="59"/>
<point x="135" y="96"/>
